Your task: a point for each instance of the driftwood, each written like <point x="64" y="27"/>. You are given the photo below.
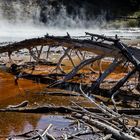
<point x="45" y="133"/>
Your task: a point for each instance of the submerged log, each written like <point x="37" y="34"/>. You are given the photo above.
<point x="64" y="109"/>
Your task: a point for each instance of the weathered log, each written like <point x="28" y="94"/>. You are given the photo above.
<point x="106" y="128"/>
<point x="129" y="55"/>
<point x="48" y="51"/>
<point x="110" y="69"/>
<point x="80" y="66"/>
<point x="107" y="137"/>
<point x="96" y="104"/>
<point x="33" y="134"/>
<point x="113" y="100"/>
<point x="45" y="133"/>
<point x="62" y="109"/>
<point x="22" y="104"/>
<point x="136" y="130"/>
<point x="61" y="93"/>
<point x="122" y="81"/>
<point x="40" y="51"/>
<point x="112" y="49"/>
<point x="69" y="57"/>
<point x="61" y="59"/>
<point x="102" y="37"/>
<point x="95" y="116"/>
<point x="33" y="55"/>
<point x="86" y="45"/>
<point x="42" y="109"/>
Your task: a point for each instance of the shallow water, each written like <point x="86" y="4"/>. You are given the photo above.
<point x="11" y="94"/>
<point x="17" y="123"/>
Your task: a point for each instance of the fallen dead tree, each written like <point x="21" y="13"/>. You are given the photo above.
<point x="127" y="96"/>
<point x="96" y="47"/>
<point x="70" y="109"/>
<point x="102" y="118"/>
<point x="100" y="46"/>
<point x="109" y="123"/>
<point x="106" y="128"/>
<point x="112" y="121"/>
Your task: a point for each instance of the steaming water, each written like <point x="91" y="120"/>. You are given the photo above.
<point x="22" y="20"/>
<point x="21" y="32"/>
<point x="19" y="22"/>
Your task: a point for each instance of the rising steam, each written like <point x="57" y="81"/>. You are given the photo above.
<point x="20" y="19"/>
<point x="29" y="12"/>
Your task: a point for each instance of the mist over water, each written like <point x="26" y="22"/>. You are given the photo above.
<point x="21" y="20"/>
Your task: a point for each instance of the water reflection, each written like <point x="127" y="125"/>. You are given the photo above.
<point x="11" y="123"/>
<point x="17" y="123"/>
<point x="9" y="89"/>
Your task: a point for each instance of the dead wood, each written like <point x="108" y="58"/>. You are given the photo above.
<point x="41" y="109"/>
<point x="99" y="48"/>
<point x="129" y="55"/>
<point x="46" y="134"/>
<point x="106" y="128"/>
<point x="72" y="62"/>
<point x="107" y="137"/>
<point x="113" y="100"/>
<point x="23" y="104"/>
<point x="122" y="81"/>
<point x="110" y="69"/>
<point x="106" y="112"/>
<point x="81" y="133"/>
<point x="99" y="45"/>
<point x="62" y="109"/>
<point x="102" y="37"/>
<point x="61" y="93"/>
<point x="48" y="51"/>
<point x="97" y="116"/>
<point x="108" y="120"/>
<point x="61" y="59"/>
<point x="136" y="130"/>
<point x="35" y="134"/>
<point x="80" y="66"/>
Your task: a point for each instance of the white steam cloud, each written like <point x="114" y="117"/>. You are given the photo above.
<point x="29" y="12"/>
<point x="20" y="19"/>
